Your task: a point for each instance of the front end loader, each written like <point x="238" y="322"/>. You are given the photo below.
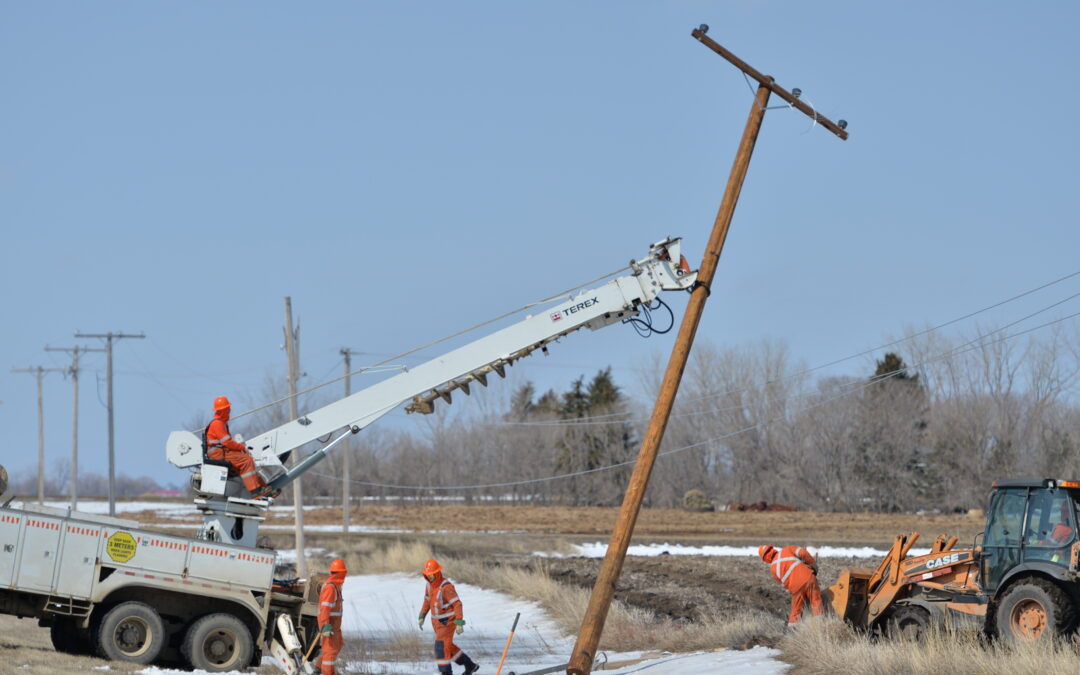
<point x="1021" y="584"/>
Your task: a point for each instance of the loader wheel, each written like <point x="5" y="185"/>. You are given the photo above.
<point x="1032" y="610"/>
<point x="68" y="638"/>
<point x="909" y="622"/>
<point x="131" y="631"/>
<point x="217" y="643"/>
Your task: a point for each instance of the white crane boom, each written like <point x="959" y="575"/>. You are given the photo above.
<point x="663" y="269"/>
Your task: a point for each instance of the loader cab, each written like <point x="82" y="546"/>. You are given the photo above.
<point x="1031" y="525"/>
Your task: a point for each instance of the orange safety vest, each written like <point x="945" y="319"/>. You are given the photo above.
<point x="792" y="567"/>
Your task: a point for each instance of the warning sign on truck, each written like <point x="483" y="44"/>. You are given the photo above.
<point x="121" y="547"/>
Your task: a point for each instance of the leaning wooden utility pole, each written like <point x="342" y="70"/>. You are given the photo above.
<point x="592" y="626"/>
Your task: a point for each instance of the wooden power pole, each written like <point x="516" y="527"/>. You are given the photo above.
<point x="345" y="496"/>
<point x="292" y="336"/>
<point x="109" y="337"/>
<point x="74" y="371"/>
<point x="592" y="626"/>
<point x="40" y="371"/>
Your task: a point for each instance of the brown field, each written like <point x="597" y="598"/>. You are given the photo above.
<point x="595" y="523"/>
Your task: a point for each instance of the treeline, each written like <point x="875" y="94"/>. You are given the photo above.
<point x="90" y="485"/>
<point x="929" y="427"/>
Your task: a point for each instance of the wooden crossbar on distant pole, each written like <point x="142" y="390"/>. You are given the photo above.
<point x="592" y="625"/>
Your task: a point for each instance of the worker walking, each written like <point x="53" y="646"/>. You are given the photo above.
<point x="446" y="618"/>
<point x="330" y="617"/>
<point x="220" y="445"/>
<point x="796" y="570"/>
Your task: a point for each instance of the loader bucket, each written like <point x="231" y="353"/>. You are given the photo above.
<point x="848" y="595"/>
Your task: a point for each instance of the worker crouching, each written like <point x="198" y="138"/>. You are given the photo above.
<point x="330" y="603"/>
<point x="446" y="618"/>
<point x="796" y="570"/>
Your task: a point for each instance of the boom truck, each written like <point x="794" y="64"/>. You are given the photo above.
<point x="1021" y="584"/>
<point x="112" y="587"/>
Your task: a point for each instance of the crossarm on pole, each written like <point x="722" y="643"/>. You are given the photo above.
<point x="767" y="81"/>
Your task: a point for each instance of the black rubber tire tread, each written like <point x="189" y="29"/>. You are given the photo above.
<point x="1059" y="606"/>
<point x="905" y="615"/>
<point x="108" y="649"/>
<point x="67" y="638"/>
<point x="193" y="652"/>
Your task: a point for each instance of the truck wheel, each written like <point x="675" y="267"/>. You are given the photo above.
<point x="68" y="638"/>
<point x="131" y="631"/>
<point x="218" y="642"/>
<point x="1032" y="610"/>
<point x="909" y="622"/>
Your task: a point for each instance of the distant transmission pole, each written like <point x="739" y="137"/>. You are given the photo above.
<point x="39" y="371"/>
<point x="108" y="337"/>
<point x="74" y="370"/>
<point x="345" y="497"/>
<point x="292" y="337"/>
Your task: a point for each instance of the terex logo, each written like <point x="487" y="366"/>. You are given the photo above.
<point x="943" y="561"/>
<point x="556" y="316"/>
<point x="577" y="308"/>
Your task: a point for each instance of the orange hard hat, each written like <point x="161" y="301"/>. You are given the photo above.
<point x="338" y="566"/>
<point x="432" y="567"/>
<point x="766" y="552"/>
<point x="221" y="403"/>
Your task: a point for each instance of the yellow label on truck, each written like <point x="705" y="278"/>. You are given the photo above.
<point x="121" y="547"/>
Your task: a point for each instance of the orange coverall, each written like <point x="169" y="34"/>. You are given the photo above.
<point x="792" y="569"/>
<point x="330" y="613"/>
<point x="220" y="445"/>
<point x="442" y="599"/>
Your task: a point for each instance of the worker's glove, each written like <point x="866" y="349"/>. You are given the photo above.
<point x="420" y="621"/>
<point x="460" y="623"/>
<point x="327" y="630"/>
<point x="814" y="568"/>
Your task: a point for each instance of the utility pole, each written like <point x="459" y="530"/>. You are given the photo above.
<point x="108" y="337"/>
<point x="74" y="370"/>
<point x="345" y="497"/>
<point x="40" y="371"/>
<point x="592" y="625"/>
<point x="292" y="338"/>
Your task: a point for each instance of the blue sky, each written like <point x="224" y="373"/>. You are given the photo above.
<point x="405" y="170"/>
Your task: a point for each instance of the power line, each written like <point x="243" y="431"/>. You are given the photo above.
<point x="612" y="418"/>
<point x="863" y="385"/>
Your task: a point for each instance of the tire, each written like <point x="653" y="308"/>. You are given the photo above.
<point x="217" y="643"/>
<point x="131" y="631"/>
<point x="909" y="622"/>
<point x="1032" y="610"/>
<point x="68" y="638"/>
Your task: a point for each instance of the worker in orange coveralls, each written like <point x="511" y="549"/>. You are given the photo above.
<point x="446" y="618"/>
<point x="330" y="617"/>
<point x="220" y="445"/>
<point x="795" y="569"/>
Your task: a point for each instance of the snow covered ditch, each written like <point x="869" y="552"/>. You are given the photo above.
<point x="599" y="550"/>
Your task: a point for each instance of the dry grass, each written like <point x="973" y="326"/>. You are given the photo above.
<point x="825" y="645"/>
